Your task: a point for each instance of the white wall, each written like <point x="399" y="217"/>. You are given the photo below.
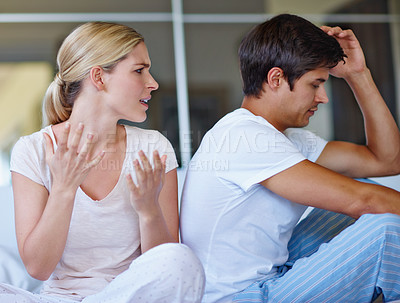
<point x="303" y="6"/>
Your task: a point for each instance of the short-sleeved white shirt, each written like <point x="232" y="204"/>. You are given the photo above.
<point x="238" y="228"/>
<point x="104" y="235"/>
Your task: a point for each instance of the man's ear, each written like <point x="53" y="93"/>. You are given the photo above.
<point x="275" y="77"/>
<point x="97" y="77"/>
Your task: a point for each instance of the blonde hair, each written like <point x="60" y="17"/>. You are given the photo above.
<point x="91" y="44"/>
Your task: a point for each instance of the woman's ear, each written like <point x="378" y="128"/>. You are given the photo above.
<point x="97" y="77"/>
<point x="275" y="77"/>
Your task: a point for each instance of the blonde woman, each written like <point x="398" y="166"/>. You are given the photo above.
<point x="95" y="201"/>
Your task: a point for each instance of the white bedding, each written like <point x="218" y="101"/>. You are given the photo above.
<point x="12" y="270"/>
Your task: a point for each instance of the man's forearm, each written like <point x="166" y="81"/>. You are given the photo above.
<point x="381" y="130"/>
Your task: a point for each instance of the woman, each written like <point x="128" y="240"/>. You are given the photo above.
<point x="91" y="209"/>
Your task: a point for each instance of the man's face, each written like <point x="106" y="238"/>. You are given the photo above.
<point x="300" y="104"/>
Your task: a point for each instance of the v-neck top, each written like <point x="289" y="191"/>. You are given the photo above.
<point x="104" y="235"/>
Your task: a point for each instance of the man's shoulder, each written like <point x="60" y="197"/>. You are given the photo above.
<point x="299" y="133"/>
<point x="243" y="120"/>
<point x="307" y="142"/>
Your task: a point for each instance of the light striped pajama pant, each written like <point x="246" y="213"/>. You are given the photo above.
<point x="333" y="258"/>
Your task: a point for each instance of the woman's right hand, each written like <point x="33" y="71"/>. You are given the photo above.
<point x="68" y="165"/>
<point x="144" y="195"/>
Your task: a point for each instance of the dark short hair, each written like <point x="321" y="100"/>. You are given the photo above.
<point x="287" y="41"/>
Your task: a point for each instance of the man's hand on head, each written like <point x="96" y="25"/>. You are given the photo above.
<point x="355" y="61"/>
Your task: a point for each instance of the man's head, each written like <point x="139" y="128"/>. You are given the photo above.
<point x="289" y="42"/>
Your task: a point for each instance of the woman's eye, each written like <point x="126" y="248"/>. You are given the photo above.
<point x="315" y="86"/>
<point x="139" y="71"/>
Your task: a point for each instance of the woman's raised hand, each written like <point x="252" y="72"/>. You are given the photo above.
<point x="144" y="195"/>
<point x="68" y="165"/>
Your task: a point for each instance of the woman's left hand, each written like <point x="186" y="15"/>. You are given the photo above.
<point x="144" y="195"/>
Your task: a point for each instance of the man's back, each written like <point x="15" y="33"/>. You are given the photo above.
<point x="238" y="228"/>
<point x="238" y="221"/>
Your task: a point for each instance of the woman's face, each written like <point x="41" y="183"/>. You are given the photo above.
<point x="129" y="85"/>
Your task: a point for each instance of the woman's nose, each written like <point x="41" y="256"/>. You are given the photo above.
<point x="152" y="83"/>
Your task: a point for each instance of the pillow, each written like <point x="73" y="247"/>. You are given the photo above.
<point x="7" y="230"/>
<point x="12" y="270"/>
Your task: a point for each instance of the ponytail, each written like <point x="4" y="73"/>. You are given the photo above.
<point x="59" y="100"/>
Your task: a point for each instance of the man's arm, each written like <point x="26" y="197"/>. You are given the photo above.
<point x="310" y="184"/>
<point x="381" y="154"/>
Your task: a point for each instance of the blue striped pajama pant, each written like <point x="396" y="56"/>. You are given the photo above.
<point x="334" y="258"/>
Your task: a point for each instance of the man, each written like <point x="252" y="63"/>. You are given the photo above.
<point x="256" y="171"/>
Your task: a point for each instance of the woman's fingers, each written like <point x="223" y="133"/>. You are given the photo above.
<point x="69" y="154"/>
<point x="157" y="162"/>
<point x="163" y="163"/>
<point x="63" y="142"/>
<point x="140" y="174"/>
<point x="146" y="175"/>
<point x="86" y="151"/>
<point x="144" y="172"/>
<point x="145" y="163"/>
<point x="96" y="160"/>
<point x="72" y="149"/>
<point x="76" y="138"/>
<point x="159" y="166"/>
<point x="148" y="184"/>
<point x="164" y="160"/>
<point x="131" y="184"/>
<point x="86" y="148"/>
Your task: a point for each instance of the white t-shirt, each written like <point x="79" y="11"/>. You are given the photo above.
<point x="237" y="227"/>
<point x="104" y="237"/>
